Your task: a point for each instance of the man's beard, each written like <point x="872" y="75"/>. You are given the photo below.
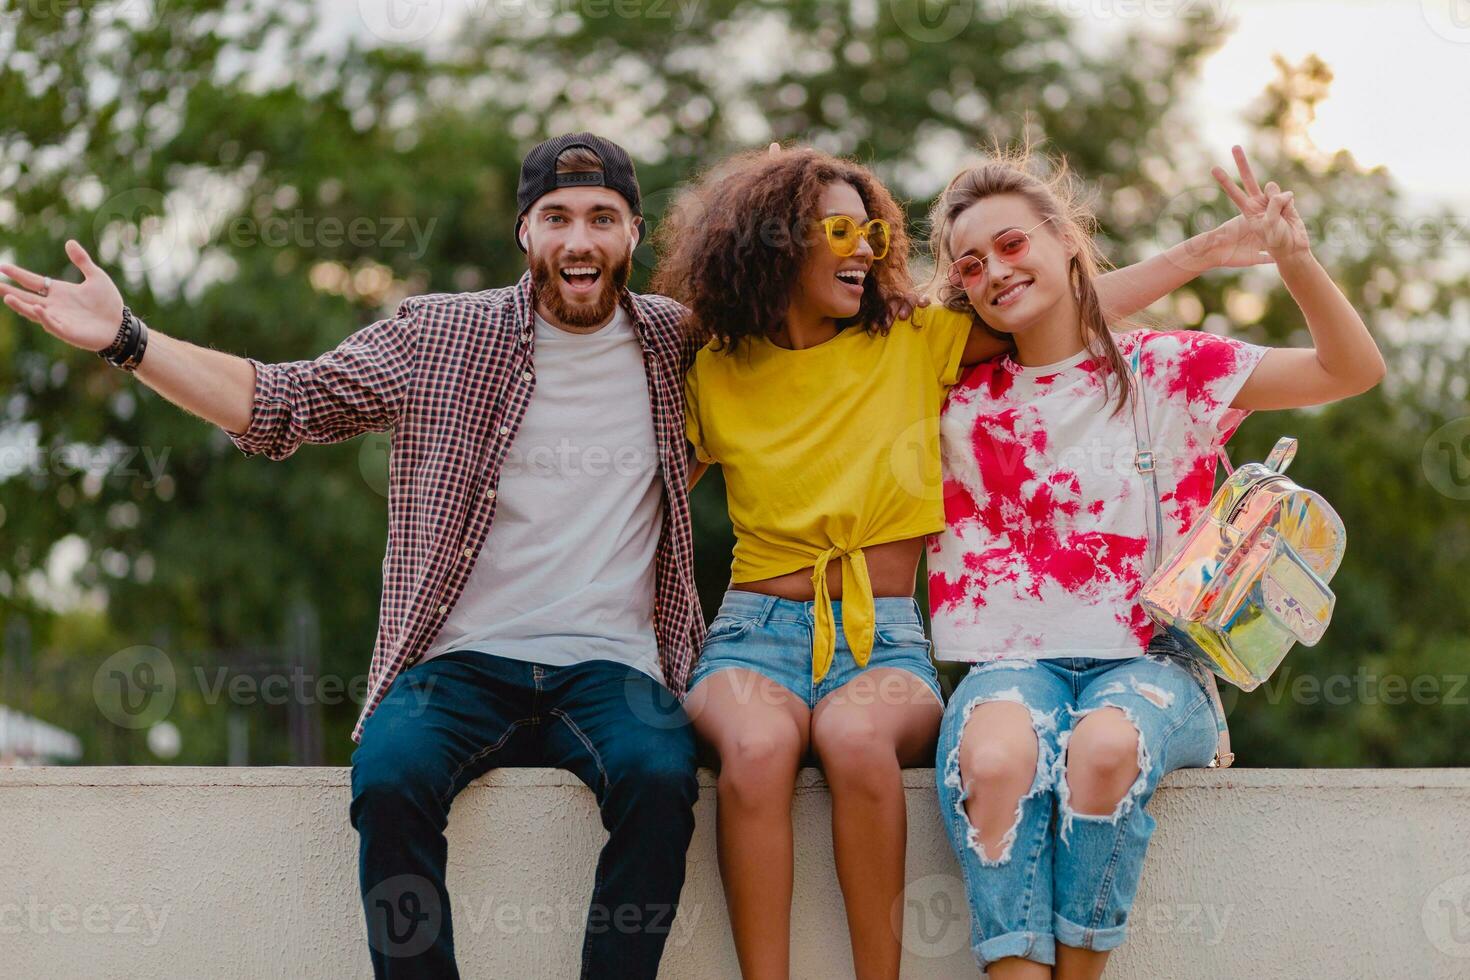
<point x="546" y="281"/>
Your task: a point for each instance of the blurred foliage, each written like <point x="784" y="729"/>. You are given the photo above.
<point x="215" y="156"/>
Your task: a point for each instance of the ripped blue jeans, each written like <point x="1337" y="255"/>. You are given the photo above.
<point x="1062" y="876"/>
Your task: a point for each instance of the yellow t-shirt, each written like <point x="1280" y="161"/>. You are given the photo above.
<point x="826" y="451"/>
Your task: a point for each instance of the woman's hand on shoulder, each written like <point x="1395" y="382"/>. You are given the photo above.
<point x="902" y="306"/>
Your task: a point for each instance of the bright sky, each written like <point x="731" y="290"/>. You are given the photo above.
<point x="1400" y="91"/>
<point x="1399" y="97"/>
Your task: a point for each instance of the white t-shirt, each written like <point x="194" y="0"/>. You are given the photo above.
<point x="567" y="571"/>
<point x="1046" y="528"/>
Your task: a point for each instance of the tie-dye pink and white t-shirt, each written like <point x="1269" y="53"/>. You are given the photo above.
<point x="1046" y="535"/>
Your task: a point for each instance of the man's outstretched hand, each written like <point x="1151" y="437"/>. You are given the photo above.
<point x="84" y="314"/>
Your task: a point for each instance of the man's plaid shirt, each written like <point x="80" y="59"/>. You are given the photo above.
<point x="451" y="375"/>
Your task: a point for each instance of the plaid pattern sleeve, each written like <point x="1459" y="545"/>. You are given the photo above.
<point x="691" y="340"/>
<point x="451" y="376"/>
<point x="357" y="387"/>
<point x="680" y="619"/>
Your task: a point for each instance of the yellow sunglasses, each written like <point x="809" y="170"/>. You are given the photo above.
<point x="843" y="234"/>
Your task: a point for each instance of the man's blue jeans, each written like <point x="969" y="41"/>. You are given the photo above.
<point x="452" y="718"/>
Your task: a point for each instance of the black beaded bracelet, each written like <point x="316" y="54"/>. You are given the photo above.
<point x="126" y="349"/>
<point x="118" y="342"/>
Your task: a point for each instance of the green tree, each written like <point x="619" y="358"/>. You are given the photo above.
<point x="216" y="155"/>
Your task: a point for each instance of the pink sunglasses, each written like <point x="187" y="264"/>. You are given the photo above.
<point x="1011" y="245"/>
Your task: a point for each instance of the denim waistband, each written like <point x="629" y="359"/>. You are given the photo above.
<point x="770" y="608"/>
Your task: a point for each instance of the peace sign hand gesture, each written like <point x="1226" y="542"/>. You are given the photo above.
<point x="85" y="314"/>
<point x="1268" y="219"/>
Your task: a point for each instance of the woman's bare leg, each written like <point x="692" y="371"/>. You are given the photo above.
<point x="1080" y="964"/>
<point x="998" y="754"/>
<point x="864" y="733"/>
<point x="759" y="731"/>
<point x="1015" y="968"/>
<point x="1101" y="766"/>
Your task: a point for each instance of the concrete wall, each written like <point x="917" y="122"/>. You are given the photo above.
<point x="251" y="873"/>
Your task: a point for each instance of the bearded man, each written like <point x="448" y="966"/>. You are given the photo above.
<point x="538" y="603"/>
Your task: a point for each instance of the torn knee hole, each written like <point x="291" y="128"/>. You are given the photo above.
<point x="1103" y="759"/>
<point x="994" y="781"/>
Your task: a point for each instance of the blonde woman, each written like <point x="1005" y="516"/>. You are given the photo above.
<point x="1074" y="708"/>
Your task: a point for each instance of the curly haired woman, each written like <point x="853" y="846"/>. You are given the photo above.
<point x="823" y="413"/>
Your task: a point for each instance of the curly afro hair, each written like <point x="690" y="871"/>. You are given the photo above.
<point x="733" y="246"/>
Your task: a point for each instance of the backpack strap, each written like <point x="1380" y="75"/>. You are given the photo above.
<point x="1145" y="462"/>
<point x="1144" y="459"/>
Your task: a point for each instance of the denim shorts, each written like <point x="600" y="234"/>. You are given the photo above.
<point x="773" y="637"/>
<point x="1064" y="876"/>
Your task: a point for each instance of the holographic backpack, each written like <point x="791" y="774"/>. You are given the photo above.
<point x="1249" y="579"/>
